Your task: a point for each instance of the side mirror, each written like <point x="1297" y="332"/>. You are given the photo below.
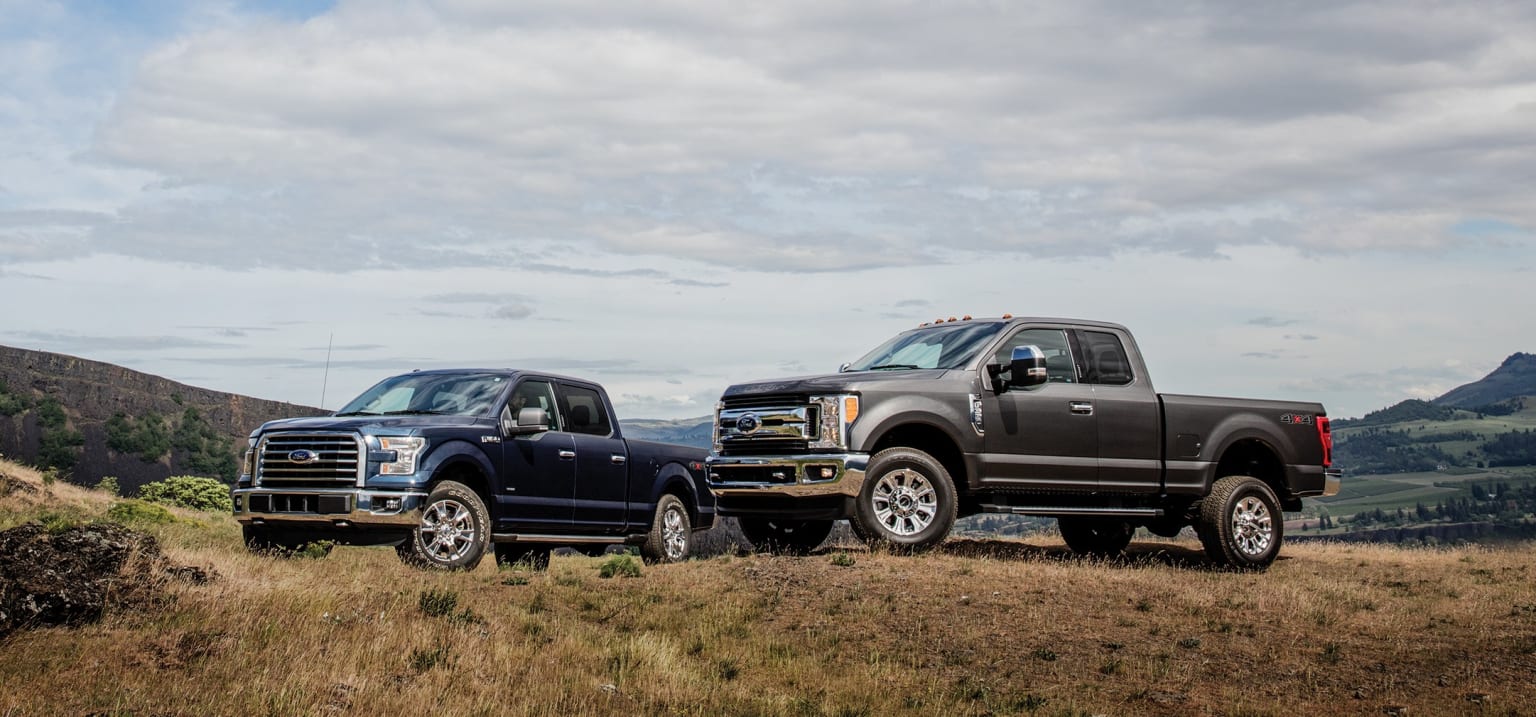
<point x="844" y="368"/>
<point x="1027" y="367"/>
<point x="529" y="420"/>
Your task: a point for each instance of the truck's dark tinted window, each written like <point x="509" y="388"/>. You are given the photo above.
<point x="942" y="346"/>
<point x="536" y="394"/>
<point x="585" y="412"/>
<point x="1107" y="363"/>
<point x="1058" y="354"/>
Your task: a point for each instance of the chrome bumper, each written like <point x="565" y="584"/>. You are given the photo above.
<point x="1333" y="478"/>
<point x="341" y="508"/>
<point x="795" y="476"/>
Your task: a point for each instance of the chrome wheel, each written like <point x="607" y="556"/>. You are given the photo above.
<point x="1253" y="527"/>
<point x="904" y="502"/>
<point x="447" y="531"/>
<point x="674" y="533"/>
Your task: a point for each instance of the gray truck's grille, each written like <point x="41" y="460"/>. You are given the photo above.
<point x="762" y="426"/>
<point x="309" y="459"/>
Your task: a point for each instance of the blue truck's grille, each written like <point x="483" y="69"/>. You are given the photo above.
<point x="309" y="460"/>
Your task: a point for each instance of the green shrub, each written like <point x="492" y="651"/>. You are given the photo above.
<point x="109" y="485"/>
<point x="11" y="403"/>
<point x="145" y="437"/>
<point x="189" y="492"/>
<point x="623" y="565"/>
<point x="130" y="512"/>
<point x="316" y="550"/>
<point x="843" y="560"/>
<point x="438" y="602"/>
<point x="57" y="445"/>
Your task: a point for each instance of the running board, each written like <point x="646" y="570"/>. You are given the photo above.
<point x="567" y="539"/>
<point x="1049" y="510"/>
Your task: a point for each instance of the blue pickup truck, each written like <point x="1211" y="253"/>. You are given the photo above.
<point x="450" y="464"/>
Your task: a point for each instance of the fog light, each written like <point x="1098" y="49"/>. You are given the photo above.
<point x="827" y="472"/>
<point x="393" y="504"/>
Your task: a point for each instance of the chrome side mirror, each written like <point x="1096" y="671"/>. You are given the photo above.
<point x="1027" y="367"/>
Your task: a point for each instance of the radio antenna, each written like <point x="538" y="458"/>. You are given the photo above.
<point x="327" y="376"/>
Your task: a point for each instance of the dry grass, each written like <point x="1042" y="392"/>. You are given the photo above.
<point x="981" y="627"/>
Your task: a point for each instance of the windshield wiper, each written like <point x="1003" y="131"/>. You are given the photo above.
<point x="358" y="413"/>
<point x="416" y="412"/>
<point x="890" y="366"/>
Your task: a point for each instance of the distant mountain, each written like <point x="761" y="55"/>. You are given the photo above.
<point x="699" y="432"/>
<point x="70" y="412"/>
<point x="1514" y="378"/>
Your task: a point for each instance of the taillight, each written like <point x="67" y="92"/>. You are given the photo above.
<point x="1325" y="436"/>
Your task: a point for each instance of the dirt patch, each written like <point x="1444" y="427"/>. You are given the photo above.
<point x="73" y="576"/>
<point x="10" y="485"/>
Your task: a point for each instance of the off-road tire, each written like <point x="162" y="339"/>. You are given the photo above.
<point x="454" y="531"/>
<point x="530" y="555"/>
<point x="671" y="537"/>
<point x="787" y="537"/>
<point x="1240" y="523"/>
<point x="908" y="501"/>
<point x="1099" y="537"/>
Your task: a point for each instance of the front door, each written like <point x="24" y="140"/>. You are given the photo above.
<point x="1045" y="436"/>
<point x="538" y="471"/>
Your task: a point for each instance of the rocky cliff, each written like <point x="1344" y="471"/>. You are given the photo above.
<point x="90" y="392"/>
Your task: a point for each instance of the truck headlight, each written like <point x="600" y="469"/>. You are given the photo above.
<point x="837" y="416"/>
<point x="406" y="449"/>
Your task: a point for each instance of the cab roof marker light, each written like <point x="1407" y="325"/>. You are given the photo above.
<point x="1007" y="316"/>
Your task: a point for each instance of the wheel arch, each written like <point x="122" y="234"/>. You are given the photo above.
<point x="928" y="438"/>
<point x="462" y="463"/>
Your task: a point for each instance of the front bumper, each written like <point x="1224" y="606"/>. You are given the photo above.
<point x="744" y="480"/>
<point x="339" y="508"/>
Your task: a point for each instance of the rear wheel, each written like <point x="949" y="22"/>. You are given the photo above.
<point x="792" y="537"/>
<point x="1240" y="523"/>
<point x="671" y="534"/>
<point x="454" y="531"/>
<point x="1102" y="537"/>
<point x="908" y="500"/>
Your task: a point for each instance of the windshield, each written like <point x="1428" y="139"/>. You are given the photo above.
<point x="437" y="394"/>
<point x="943" y="346"/>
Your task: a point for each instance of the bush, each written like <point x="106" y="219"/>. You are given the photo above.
<point x="623" y="565"/>
<point x="129" y="512"/>
<point x="145" y="437"/>
<point x="11" y="403"/>
<point x="109" y="485"/>
<point x="437" y="602"/>
<point x="189" y="492"/>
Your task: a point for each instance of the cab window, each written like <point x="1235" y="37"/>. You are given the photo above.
<point x="584" y="411"/>
<point x="1059" y="367"/>
<point x="1107" y="362"/>
<point x="535" y="394"/>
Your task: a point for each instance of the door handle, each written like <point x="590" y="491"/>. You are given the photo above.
<point x="566" y="455"/>
<point x="1081" y="408"/>
<point x="618" y="460"/>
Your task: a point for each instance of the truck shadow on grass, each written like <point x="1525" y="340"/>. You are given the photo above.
<point x="1139" y="553"/>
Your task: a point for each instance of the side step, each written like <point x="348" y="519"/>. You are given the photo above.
<point x="567" y="539"/>
<point x="1056" y="510"/>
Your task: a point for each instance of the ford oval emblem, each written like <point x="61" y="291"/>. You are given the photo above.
<point x="303" y="457"/>
<point x="747" y="423"/>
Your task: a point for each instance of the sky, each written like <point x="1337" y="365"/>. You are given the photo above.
<point x="1327" y="201"/>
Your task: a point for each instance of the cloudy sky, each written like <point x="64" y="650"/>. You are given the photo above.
<point x="1331" y="201"/>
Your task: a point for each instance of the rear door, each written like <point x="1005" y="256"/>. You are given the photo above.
<point x="538" y="471"/>
<point x="1045" y="436"/>
<point x="1130" y="427"/>
<point x="602" y="470"/>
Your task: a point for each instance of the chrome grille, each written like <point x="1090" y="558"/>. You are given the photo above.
<point x="336" y="460"/>
<point x="771" y="428"/>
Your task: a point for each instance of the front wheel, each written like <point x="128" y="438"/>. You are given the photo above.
<point x="1240" y="523"/>
<point x="671" y="534"/>
<point x="454" y="531"/>
<point x="908" y="500"/>
<point x="791" y="537"/>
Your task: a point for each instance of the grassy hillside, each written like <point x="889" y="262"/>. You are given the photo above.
<point x="979" y="627"/>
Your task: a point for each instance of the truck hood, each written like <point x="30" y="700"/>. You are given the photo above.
<point x="834" y="382"/>
<point x="388" y="425"/>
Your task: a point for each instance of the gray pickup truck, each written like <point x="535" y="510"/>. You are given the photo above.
<point x="452" y="464"/>
<point x="1030" y="416"/>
